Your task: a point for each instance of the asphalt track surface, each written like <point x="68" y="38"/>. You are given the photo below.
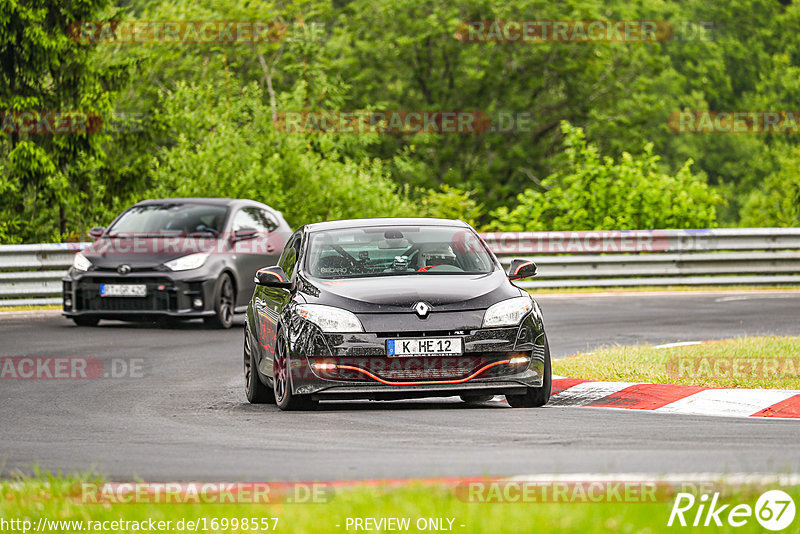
<point x="187" y="418"/>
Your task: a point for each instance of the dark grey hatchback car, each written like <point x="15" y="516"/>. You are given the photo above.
<point x="174" y="258"/>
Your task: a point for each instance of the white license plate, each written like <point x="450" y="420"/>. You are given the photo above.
<point x="123" y="290"/>
<point x="424" y="346"/>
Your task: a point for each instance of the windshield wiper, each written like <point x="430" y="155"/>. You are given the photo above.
<point x="205" y="231"/>
<point x="141" y="234"/>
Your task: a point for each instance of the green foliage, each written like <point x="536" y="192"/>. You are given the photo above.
<point x="229" y="148"/>
<point x="598" y="193"/>
<point x="420" y="64"/>
<point x="450" y="203"/>
<point x="206" y="113"/>
<point x="46" y="179"/>
<point x="777" y="202"/>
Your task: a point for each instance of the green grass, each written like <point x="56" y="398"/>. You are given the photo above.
<point x="638" y="289"/>
<point x="30" y="308"/>
<point x="57" y="498"/>
<point x="749" y="362"/>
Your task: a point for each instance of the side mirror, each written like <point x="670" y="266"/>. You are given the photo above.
<point x="272" y="277"/>
<point x="97" y="232"/>
<point x="521" y="269"/>
<point x="243" y="234"/>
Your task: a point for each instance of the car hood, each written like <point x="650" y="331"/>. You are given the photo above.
<point x="145" y="252"/>
<point x="398" y="294"/>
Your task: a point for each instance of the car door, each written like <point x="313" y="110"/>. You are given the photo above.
<point x="249" y="255"/>
<point x="270" y="302"/>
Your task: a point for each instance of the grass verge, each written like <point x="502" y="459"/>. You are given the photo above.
<point x="749" y="362"/>
<point x="57" y="499"/>
<point x="42" y="307"/>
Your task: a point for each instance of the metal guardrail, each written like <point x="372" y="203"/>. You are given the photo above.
<point x="31" y="274"/>
<point x="728" y="256"/>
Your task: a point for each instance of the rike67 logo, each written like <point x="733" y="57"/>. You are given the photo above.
<point x="774" y="510"/>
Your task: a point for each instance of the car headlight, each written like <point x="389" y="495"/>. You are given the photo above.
<point x="81" y="262"/>
<point x="330" y="319"/>
<point x="192" y="261"/>
<point x="507" y="312"/>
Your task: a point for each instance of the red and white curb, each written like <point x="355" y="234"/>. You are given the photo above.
<point x="680" y="399"/>
<point x="673" y="398"/>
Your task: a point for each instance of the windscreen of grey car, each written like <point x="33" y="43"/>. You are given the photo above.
<point x="170" y="219"/>
<point x="384" y="251"/>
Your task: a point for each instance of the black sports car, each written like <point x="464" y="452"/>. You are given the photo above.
<point x="389" y="309"/>
<point x="174" y="258"/>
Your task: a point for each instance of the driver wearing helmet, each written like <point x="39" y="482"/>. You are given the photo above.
<point x="436" y="254"/>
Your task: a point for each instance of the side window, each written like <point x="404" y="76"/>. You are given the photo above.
<point x="256" y="218"/>
<point x="289" y="257"/>
<point x="268" y="220"/>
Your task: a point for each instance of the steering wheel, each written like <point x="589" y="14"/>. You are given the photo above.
<point x="425" y="268"/>
<point x="354" y="263"/>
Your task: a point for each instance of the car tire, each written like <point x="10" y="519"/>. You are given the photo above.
<point x="536" y="397"/>
<point x="86" y="321"/>
<point x="282" y="383"/>
<point x="224" y="302"/>
<point x="257" y="392"/>
<point x="476" y="399"/>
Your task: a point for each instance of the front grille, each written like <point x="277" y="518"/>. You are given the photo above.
<point x="87" y="296"/>
<point x="423" y="374"/>
<point x="133" y="269"/>
<point x="419" y="368"/>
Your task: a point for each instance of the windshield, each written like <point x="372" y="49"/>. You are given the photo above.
<point x="386" y="251"/>
<point x="170" y="219"/>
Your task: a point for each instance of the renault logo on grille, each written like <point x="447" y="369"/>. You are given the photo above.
<point x="124" y="269"/>
<point x="422" y="309"/>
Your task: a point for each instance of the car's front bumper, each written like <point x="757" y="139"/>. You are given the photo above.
<point x="169" y="294"/>
<point x="372" y="392"/>
<point x="357" y="365"/>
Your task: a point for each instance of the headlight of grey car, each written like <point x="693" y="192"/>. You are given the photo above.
<point x="81" y="263"/>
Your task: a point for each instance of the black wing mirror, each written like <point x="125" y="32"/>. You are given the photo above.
<point x="521" y="269"/>
<point x="97" y="232"/>
<point x="272" y="277"/>
<point x="243" y="234"/>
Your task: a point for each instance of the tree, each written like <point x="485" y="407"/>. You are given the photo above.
<point x="777" y="201"/>
<point x="230" y="148"/>
<point x="599" y="193"/>
<point x="45" y="74"/>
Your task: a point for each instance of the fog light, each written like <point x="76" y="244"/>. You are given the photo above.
<point x="324" y="366"/>
<point x="197" y="303"/>
<point x="518" y="359"/>
<point x="68" y="303"/>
